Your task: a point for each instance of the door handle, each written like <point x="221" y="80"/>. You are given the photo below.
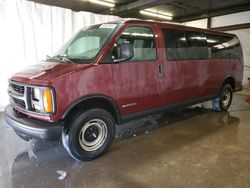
<point x="160" y="70"/>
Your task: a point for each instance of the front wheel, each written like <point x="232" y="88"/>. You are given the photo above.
<point x="90" y="135"/>
<point x="225" y="98"/>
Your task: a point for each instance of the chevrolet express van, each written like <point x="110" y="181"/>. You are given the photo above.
<point x="114" y="72"/>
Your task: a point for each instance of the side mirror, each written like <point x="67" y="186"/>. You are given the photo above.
<point x="124" y="52"/>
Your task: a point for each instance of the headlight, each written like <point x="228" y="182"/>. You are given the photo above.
<point x="42" y="99"/>
<point x="36" y="94"/>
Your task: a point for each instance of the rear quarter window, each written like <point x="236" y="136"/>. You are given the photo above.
<point x="223" y="47"/>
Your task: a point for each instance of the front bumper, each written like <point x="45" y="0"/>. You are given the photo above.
<point x="28" y="128"/>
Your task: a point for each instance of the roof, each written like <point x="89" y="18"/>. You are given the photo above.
<point x="168" y="24"/>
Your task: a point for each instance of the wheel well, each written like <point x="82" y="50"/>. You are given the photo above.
<point x="230" y="81"/>
<point x="93" y="102"/>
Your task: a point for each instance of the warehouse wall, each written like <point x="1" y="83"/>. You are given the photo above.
<point x="30" y="31"/>
<point x="197" y="23"/>
<point x="231" y="19"/>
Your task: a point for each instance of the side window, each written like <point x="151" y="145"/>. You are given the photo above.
<point x="196" y="45"/>
<point x="223" y="47"/>
<point x="143" y="41"/>
<point x="176" y="44"/>
<point x="235" y="49"/>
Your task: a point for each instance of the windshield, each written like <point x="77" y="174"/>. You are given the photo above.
<point x="87" y="43"/>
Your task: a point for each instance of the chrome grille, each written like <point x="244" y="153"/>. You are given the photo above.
<point x="17" y="88"/>
<point x="18" y="95"/>
<point x="20" y="103"/>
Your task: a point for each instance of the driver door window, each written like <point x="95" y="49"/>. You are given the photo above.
<point x="143" y="41"/>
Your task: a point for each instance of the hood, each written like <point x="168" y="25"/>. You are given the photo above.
<point x="44" y="73"/>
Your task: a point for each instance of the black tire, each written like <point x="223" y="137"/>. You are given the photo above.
<point x="90" y="135"/>
<point x="225" y="98"/>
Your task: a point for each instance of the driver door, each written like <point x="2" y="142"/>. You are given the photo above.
<point x="138" y="81"/>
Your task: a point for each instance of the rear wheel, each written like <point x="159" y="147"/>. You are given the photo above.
<point x="225" y="98"/>
<point x="91" y="134"/>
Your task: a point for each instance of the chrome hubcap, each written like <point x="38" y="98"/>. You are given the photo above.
<point x="93" y="134"/>
<point x="226" y="98"/>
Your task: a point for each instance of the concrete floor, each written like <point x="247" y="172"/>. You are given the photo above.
<point x="195" y="147"/>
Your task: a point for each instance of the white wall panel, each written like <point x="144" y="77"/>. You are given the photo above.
<point x="231" y="19"/>
<point x="197" y="23"/>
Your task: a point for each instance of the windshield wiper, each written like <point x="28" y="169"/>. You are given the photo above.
<point x="48" y="57"/>
<point x="63" y="58"/>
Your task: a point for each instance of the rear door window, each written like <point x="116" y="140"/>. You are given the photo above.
<point x="176" y="44"/>
<point x="196" y="45"/>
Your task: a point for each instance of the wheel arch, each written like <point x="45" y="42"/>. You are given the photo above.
<point x="229" y="80"/>
<point x="93" y="101"/>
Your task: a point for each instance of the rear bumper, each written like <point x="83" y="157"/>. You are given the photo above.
<point x="28" y="128"/>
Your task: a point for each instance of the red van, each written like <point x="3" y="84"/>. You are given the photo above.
<point x="117" y="71"/>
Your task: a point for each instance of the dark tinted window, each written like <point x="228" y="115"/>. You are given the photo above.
<point x="176" y="44"/>
<point x="196" y="45"/>
<point x="143" y="42"/>
<point x="223" y="47"/>
<point x="182" y="45"/>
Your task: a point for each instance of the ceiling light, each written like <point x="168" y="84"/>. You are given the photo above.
<point x="162" y="15"/>
<point x="159" y="12"/>
<point x="103" y="3"/>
